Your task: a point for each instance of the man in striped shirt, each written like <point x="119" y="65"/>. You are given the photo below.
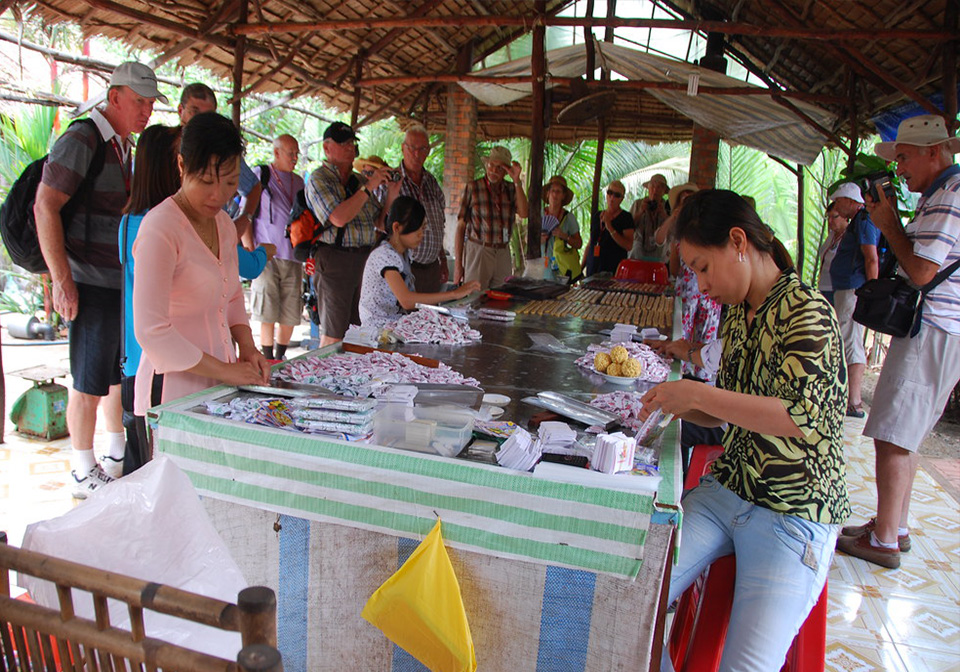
<point x="428" y="259"/>
<point x="919" y="373"/>
<point x="81" y="251"/>
<point x="487" y="212"/>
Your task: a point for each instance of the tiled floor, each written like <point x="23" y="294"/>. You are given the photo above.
<point x="906" y="620"/>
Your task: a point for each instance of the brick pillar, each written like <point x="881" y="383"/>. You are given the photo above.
<point x="703" y="157"/>
<point x="705" y="149"/>
<point x="460" y="150"/>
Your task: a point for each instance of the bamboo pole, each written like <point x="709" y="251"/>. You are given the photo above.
<point x="524" y="21"/>
<point x="538" y="67"/>
<point x="355" y="110"/>
<point x="258" y="616"/>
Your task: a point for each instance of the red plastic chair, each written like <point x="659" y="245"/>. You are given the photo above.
<point x="703" y="616"/>
<point x="703" y="611"/>
<point x="639" y="270"/>
<point x="701" y="457"/>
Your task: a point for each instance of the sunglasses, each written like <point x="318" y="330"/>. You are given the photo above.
<point x="615" y="194"/>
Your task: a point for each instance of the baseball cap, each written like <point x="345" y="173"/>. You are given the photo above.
<point x="339" y="132"/>
<point x="847" y="190"/>
<point x="138" y="77"/>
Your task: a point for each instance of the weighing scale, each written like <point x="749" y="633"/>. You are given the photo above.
<point x="41" y="411"/>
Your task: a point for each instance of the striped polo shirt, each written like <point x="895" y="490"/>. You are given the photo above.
<point x="935" y="232"/>
<point x="92" y="250"/>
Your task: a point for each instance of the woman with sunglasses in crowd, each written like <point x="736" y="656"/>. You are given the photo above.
<point x="611" y="234"/>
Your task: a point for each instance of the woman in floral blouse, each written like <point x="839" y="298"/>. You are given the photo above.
<point x="777" y="494"/>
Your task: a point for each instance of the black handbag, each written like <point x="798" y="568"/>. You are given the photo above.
<point x="894" y="305"/>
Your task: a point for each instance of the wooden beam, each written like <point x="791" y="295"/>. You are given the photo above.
<point x="387" y="39"/>
<point x="538" y="66"/>
<point x="523" y="21"/>
<point x="239" y="54"/>
<point x="294" y="51"/>
<point x="589" y="45"/>
<point x="859" y="61"/>
<point x="380" y="111"/>
<point x="355" y="111"/>
<point x="950" y="70"/>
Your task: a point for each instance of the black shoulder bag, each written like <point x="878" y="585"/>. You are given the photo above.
<point x="894" y="305"/>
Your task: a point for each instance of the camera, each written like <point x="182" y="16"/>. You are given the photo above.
<point x="879" y="180"/>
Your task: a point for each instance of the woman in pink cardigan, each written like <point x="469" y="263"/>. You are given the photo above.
<point x="188" y="310"/>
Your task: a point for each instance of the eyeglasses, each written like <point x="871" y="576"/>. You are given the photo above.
<point x="615" y="194"/>
<point x="421" y="149"/>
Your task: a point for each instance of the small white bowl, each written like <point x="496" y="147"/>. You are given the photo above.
<point x="619" y="380"/>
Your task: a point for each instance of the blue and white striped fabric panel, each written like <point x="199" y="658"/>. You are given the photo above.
<point x="523" y="616"/>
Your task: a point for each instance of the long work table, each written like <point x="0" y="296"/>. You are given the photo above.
<point x="554" y="575"/>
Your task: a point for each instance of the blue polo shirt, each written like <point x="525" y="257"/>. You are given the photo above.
<point x="848" y="270"/>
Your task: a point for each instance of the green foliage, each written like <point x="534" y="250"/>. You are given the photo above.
<point x="23" y="139"/>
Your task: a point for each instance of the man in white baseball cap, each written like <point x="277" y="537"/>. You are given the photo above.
<point x="138" y="77"/>
<point x="919" y="372"/>
<point x="80" y="247"/>
<point x="855" y="262"/>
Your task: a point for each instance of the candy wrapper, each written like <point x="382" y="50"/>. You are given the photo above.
<point x="429" y="326"/>
<point x="371" y="374"/>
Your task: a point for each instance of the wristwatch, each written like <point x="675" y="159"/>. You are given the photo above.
<point x="690" y="354"/>
<point x="367" y="192"/>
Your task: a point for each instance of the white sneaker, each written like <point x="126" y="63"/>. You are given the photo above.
<point x="94" y="479"/>
<point x="113" y="466"/>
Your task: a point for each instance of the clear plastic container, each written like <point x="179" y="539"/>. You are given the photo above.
<point x="426" y="429"/>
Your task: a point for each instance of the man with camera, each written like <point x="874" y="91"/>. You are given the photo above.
<point x="428" y="259"/>
<point x="350" y="214"/>
<point x="855" y="262"/>
<point x="648" y="214"/>
<point x="919" y="372"/>
<point x="488" y="209"/>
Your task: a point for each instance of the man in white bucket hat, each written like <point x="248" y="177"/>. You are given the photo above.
<point x="919" y="373"/>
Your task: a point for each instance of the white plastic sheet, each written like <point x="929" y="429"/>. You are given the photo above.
<point x="150" y="525"/>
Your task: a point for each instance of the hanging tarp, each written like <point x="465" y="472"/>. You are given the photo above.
<point x="756" y="121"/>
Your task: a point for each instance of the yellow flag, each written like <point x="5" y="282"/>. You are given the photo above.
<point x="420" y="610"/>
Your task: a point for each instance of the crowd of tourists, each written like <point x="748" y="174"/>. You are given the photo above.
<point x="773" y="365"/>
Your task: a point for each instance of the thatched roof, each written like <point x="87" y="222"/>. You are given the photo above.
<point x="854" y="59"/>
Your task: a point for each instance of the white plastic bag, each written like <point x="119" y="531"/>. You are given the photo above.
<point x="150" y="525"/>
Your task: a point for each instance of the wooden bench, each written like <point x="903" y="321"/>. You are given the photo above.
<point x="40" y="639"/>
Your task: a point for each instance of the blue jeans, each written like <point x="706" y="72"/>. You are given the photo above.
<point x="782" y="565"/>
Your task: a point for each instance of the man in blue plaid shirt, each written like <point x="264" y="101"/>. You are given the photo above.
<point x="351" y="215"/>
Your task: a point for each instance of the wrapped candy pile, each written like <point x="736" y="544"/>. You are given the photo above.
<point x="429" y="326"/>
<point x="652" y="367"/>
<point x="350" y="419"/>
<point x="627" y="405"/>
<point x="368" y="375"/>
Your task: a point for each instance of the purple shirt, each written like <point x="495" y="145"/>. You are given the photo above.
<point x="275" y="203"/>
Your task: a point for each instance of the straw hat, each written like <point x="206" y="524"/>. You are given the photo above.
<point x="562" y="181"/>
<point x="657" y="177"/>
<point x="923" y="131"/>
<point x="374" y="162"/>
<point x="674" y="194"/>
<point x="501" y="155"/>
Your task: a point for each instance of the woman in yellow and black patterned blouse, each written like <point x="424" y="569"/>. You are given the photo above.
<point x="776" y="496"/>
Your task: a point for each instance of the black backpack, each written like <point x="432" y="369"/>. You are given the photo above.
<point x="18" y="227"/>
